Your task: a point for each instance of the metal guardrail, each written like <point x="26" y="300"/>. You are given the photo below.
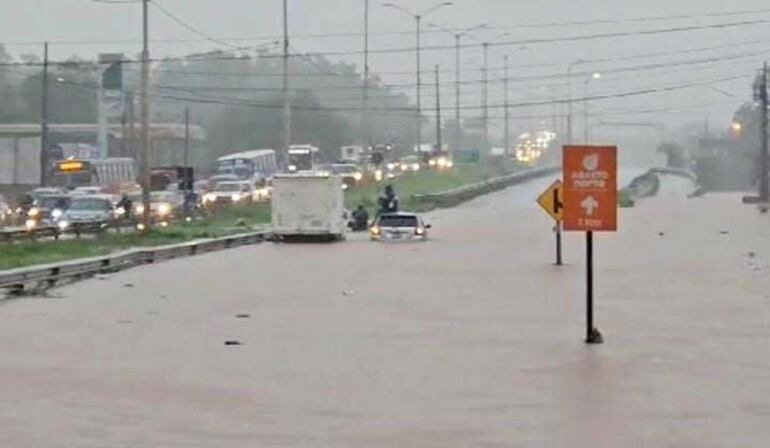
<point x="47" y="276"/>
<point x="468" y="192"/>
<point x="77" y="229"/>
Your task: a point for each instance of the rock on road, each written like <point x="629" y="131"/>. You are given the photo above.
<point x="472" y="339"/>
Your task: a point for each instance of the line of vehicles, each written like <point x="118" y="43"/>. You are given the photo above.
<point x="104" y="191"/>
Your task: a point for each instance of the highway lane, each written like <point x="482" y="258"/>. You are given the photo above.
<point x="471" y="339"/>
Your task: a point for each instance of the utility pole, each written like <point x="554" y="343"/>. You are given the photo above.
<point x="458" y="124"/>
<point x="419" y="87"/>
<point x="440" y="145"/>
<point x="764" y="183"/>
<point x="186" y="137"/>
<point x="44" y="122"/>
<point x="366" y="139"/>
<point x="144" y="171"/>
<point x="131" y="125"/>
<point x="507" y="127"/>
<point x="286" y="99"/>
<point x="485" y="99"/>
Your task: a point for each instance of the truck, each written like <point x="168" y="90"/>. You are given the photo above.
<point x="309" y="205"/>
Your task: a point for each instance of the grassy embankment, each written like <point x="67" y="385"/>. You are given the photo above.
<point x="226" y="222"/>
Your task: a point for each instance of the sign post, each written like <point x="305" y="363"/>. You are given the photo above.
<point x="590" y="205"/>
<point x="552" y="202"/>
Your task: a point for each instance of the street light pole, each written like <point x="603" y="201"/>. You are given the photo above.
<point x="458" y="118"/>
<point x="365" y="138"/>
<point x="145" y="159"/>
<point x="418" y="19"/>
<point x="593" y="77"/>
<point x="44" y="122"/>
<point x="286" y="100"/>
<point x="485" y="99"/>
<point x="569" y="97"/>
<point x="440" y="144"/>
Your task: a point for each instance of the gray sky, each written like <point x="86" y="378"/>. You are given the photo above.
<point x="249" y="22"/>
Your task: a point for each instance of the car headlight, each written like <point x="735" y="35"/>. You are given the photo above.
<point x="140" y="209"/>
<point x="416" y="167"/>
<point x="442" y="162"/>
<point x="449" y="164"/>
<point x="419" y="231"/>
<point x="209" y="197"/>
<point x="236" y="197"/>
<point x="378" y="175"/>
<point x="120" y="211"/>
<point x="391" y="166"/>
<point x="358" y="177"/>
<point x="345" y="186"/>
<point x="432" y="162"/>
<point x="164" y="209"/>
<point x="56" y="213"/>
<point x="292" y="168"/>
<point x="30" y="224"/>
<point x="375" y="230"/>
<point x="34" y="211"/>
<point x="63" y="225"/>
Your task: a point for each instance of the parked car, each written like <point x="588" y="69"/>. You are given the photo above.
<point x="399" y="227"/>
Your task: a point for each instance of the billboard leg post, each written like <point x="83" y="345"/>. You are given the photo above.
<point x="593" y="336"/>
<point x="558" y="244"/>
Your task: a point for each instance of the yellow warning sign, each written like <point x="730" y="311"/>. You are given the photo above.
<point x="551" y="201"/>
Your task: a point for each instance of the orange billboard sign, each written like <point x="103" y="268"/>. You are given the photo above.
<point x="591" y="188"/>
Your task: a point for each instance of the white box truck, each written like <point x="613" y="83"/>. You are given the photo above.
<point x="308" y="205"/>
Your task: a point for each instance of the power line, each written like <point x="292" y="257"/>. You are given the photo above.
<point x="525" y="25"/>
<point x="574" y="38"/>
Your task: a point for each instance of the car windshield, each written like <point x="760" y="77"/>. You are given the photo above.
<point x="91" y="204"/>
<point x="398" y="221"/>
<point x="53" y="201"/>
<point x="229" y="186"/>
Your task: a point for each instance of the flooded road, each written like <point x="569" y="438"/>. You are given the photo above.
<point x="471" y="339"/>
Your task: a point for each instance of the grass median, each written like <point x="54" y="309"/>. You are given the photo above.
<point x="410" y="184"/>
<point x="228" y="221"/>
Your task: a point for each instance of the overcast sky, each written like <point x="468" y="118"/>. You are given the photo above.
<point x="110" y="27"/>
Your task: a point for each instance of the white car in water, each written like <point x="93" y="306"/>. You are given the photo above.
<point x="399" y="227"/>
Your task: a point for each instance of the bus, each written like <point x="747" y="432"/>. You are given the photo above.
<point x="302" y="158"/>
<point x="113" y="175"/>
<point x="256" y="166"/>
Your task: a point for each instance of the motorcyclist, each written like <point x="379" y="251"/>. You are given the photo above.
<point x="127" y="205"/>
<point x="360" y="219"/>
<point x="388" y="201"/>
